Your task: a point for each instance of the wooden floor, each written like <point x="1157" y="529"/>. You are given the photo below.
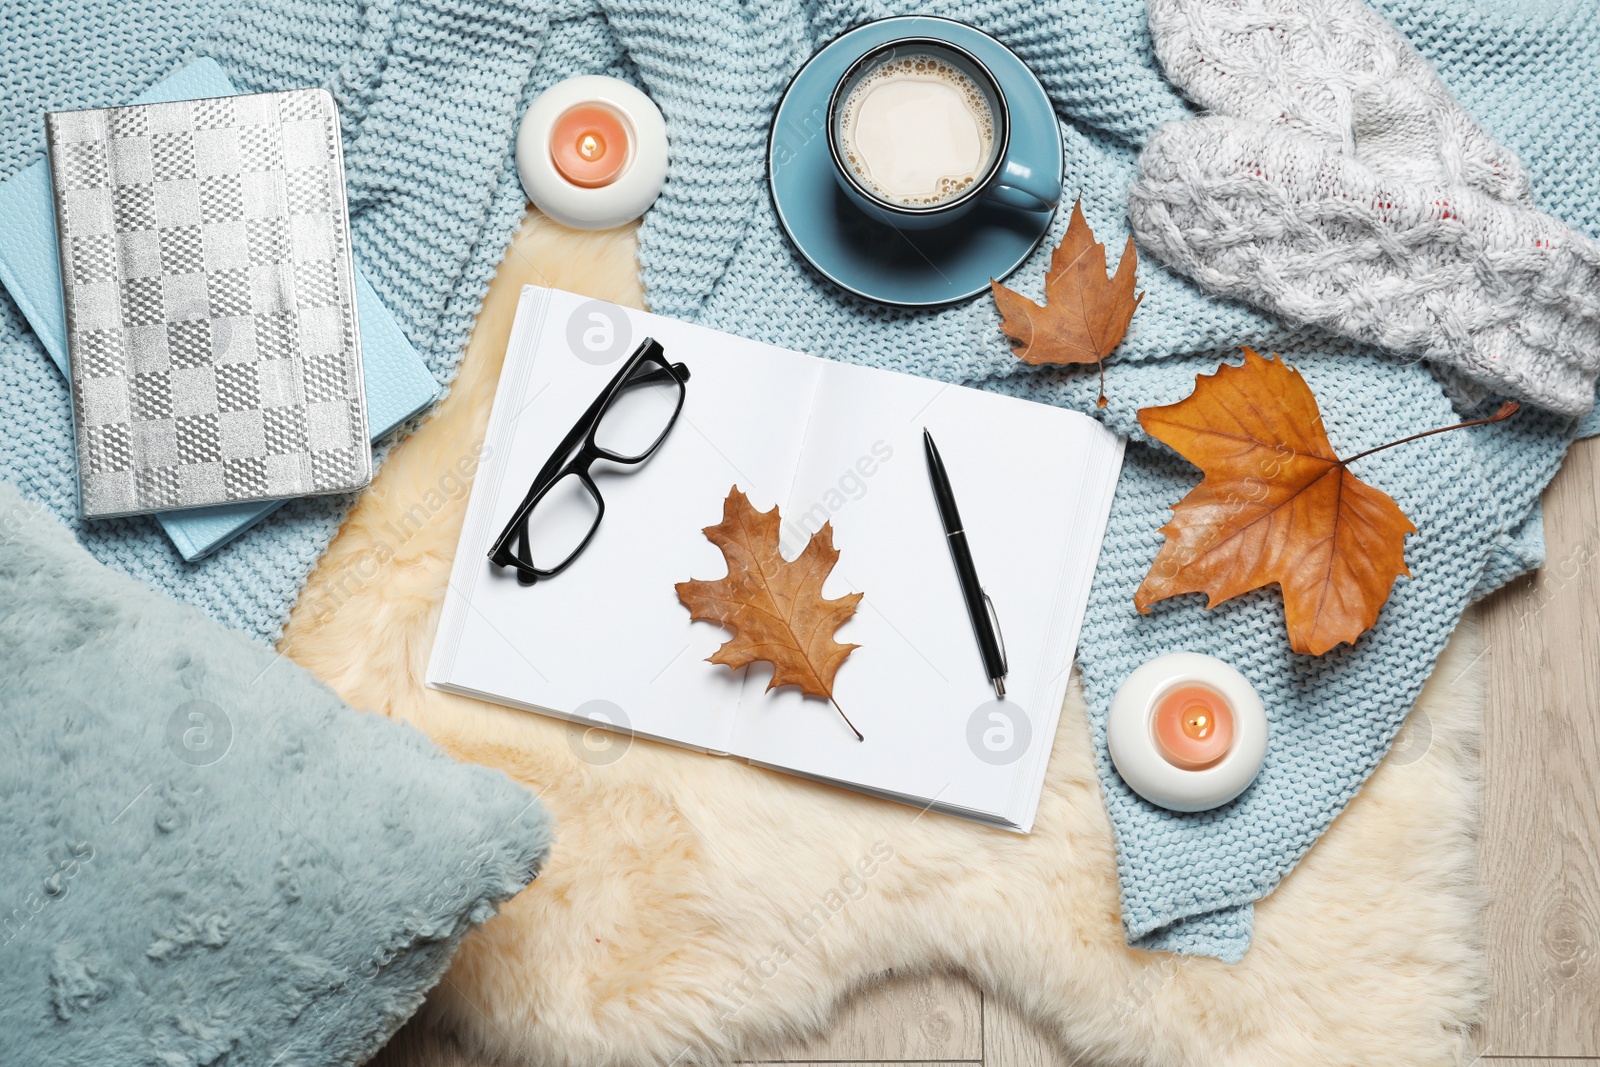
<point x="1541" y="804"/>
<point x="1541" y="847"/>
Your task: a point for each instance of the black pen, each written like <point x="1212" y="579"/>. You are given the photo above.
<point x="979" y="606"/>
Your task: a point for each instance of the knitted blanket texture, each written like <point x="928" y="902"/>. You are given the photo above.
<point x="430" y="91"/>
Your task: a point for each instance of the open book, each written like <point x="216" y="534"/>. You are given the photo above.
<point x="607" y="642"/>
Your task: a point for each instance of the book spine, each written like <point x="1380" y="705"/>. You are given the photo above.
<point x="68" y="299"/>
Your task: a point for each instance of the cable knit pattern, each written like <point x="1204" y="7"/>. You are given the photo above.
<point x="1332" y="71"/>
<point x="1495" y="289"/>
<point x="430" y="91"/>
<point x="1339" y="184"/>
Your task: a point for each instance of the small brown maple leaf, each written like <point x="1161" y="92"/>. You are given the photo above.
<point x="1277" y="505"/>
<point x="1085" y="314"/>
<point x="774" y="606"/>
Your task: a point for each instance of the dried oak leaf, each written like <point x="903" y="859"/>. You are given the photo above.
<point x="1085" y="314"/>
<point x="773" y="606"/>
<point x="1276" y="505"/>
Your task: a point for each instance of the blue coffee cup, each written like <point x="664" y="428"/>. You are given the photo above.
<point x="1000" y="179"/>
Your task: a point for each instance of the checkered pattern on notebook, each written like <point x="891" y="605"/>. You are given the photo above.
<point x="205" y="259"/>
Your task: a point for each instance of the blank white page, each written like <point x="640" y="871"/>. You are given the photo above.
<point x="1018" y="471"/>
<point x="610" y="628"/>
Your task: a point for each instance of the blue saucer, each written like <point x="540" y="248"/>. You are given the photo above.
<point x="909" y="268"/>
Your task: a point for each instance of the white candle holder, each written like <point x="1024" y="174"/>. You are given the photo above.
<point x="619" y="197"/>
<point x="1181" y="770"/>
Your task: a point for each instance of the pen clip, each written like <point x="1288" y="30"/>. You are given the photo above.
<point x="994" y="620"/>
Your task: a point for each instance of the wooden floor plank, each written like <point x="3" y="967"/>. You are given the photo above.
<point x="924" y="1017"/>
<point x="1010" y="1040"/>
<point x="413" y="1046"/>
<point x="1541" y="811"/>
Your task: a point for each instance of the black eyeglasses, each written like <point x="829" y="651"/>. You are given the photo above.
<point x="626" y="424"/>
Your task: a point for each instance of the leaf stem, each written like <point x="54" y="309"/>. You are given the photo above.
<point x="845" y="717"/>
<point x="1100" y="401"/>
<point x="1506" y="410"/>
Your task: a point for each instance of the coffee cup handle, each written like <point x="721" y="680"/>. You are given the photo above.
<point x="1020" y="186"/>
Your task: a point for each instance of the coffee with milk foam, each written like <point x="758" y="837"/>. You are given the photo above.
<point x="917" y="131"/>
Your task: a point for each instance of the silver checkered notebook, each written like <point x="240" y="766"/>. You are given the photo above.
<point x="205" y="261"/>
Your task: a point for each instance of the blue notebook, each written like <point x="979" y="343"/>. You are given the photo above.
<point x="398" y="383"/>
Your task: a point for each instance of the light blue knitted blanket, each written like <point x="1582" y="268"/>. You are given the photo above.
<point x="430" y="92"/>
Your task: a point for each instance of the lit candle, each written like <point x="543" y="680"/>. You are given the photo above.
<point x="1193" y="727"/>
<point x="1187" y="732"/>
<point x="589" y="145"/>
<point x="592" y="152"/>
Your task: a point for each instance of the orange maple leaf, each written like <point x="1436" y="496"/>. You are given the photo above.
<point x="774" y="606"/>
<point x="1085" y="314"/>
<point x="1276" y="504"/>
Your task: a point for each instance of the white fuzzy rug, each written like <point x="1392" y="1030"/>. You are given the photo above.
<point x="697" y="909"/>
